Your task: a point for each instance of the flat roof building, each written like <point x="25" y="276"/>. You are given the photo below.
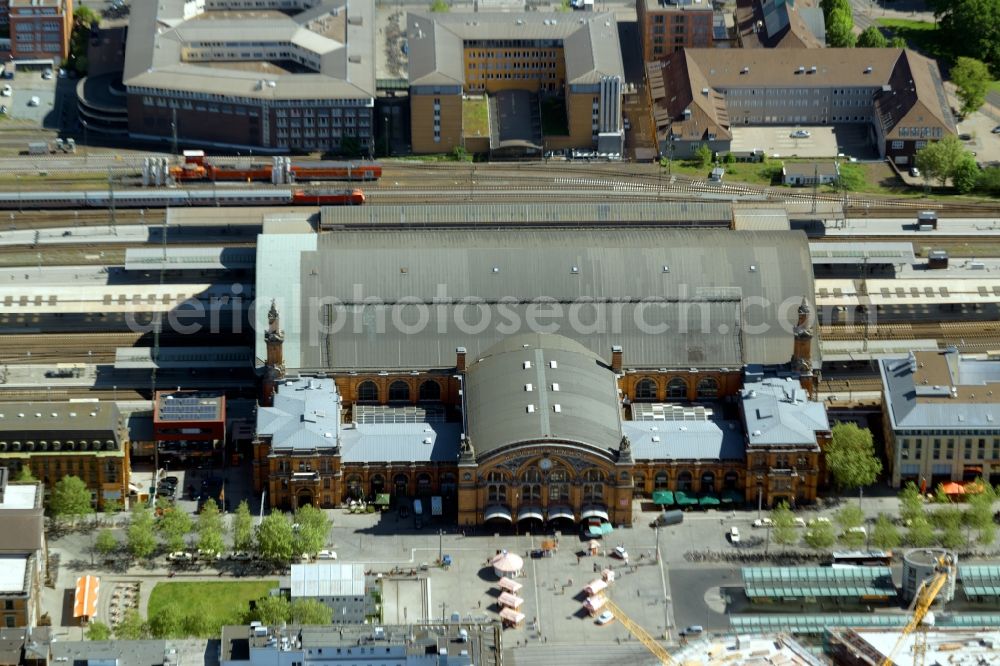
<point x="941" y="415"/>
<point x="22" y="552"/>
<point x="668" y="25"/>
<point x="272" y="74"/>
<point x="872" y="646"/>
<point x="341" y="587"/>
<point x="518" y="62"/>
<point x="52" y="437"/>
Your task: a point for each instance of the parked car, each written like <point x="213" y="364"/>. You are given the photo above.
<point x="240" y="556"/>
<point x="915" y="172"/>
<point x="801" y="134"/>
<point x="3" y="109"/>
<point x="799" y="522"/>
<point x="693" y="630"/>
<point x="763" y="522"/>
<point x="620" y="553"/>
<point x="734" y="535"/>
<point x="819" y="519"/>
<point x="326" y="555"/>
<point x="209" y="554"/>
<point x="180" y="556"/>
<point x="34" y="101"/>
<point x="47" y="74"/>
<point x="7" y="91"/>
<point x="996" y="130"/>
<point x="605" y="617"/>
<point x="171" y="479"/>
<point x="965" y="136"/>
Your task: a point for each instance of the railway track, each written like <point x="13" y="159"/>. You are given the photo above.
<point x="68" y="393"/>
<point x="35" y="348"/>
<point x="859" y="383"/>
<point x="945" y="331"/>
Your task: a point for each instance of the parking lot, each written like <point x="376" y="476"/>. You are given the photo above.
<point x="28" y="84"/>
<point x="776" y="141"/>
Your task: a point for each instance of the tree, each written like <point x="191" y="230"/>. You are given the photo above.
<point x="167" y="623"/>
<point x="850" y="456"/>
<point x="849" y="518"/>
<point x="897" y="43"/>
<point x="920" y="533"/>
<point x="851" y="178"/>
<point x="972" y="78"/>
<point x="106" y="542"/>
<point x="946" y="518"/>
<point x="24" y="475"/>
<point x="820" y="535"/>
<point x="440" y="6"/>
<point x="141" y="536"/>
<point x="971" y="28"/>
<point x="310" y="611"/>
<point x="938" y="159"/>
<point x="871" y="38"/>
<point x="210" y="528"/>
<point x="242" y="528"/>
<point x="275" y="538"/>
<point x="271" y="610"/>
<point x="703" y="156"/>
<point x="132" y="627"/>
<point x="174" y="525"/>
<point x="202" y="626"/>
<point x="884" y="533"/>
<point x="911" y="502"/>
<point x="966" y="175"/>
<point x="989" y="181"/>
<point x="784" y="524"/>
<point x="70" y="499"/>
<point x="840" y="29"/>
<point x="313" y="529"/>
<point x="952" y="537"/>
<point x="98" y="631"/>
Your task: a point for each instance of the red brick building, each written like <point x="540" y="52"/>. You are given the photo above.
<point x="189" y="422"/>
<point x="39" y="29"/>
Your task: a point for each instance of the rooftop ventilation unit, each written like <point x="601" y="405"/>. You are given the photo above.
<point x="812" y="70"/>
<point x="800" y="70"/>
<point x="868" y="70"/>
<point x="745" y="70"/>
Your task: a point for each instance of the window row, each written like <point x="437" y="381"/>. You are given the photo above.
<point x="648" y="388"/>
<point x="399" y="391"/>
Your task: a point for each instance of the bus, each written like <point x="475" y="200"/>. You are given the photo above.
<point x="861" y="558"/>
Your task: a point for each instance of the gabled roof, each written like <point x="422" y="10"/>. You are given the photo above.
<point x="778" y="412"/>
<point x="915" y="98"/>
<point x="686" y="98"/>
<point x="436" y="42"/>
<point x="779" y="24"/>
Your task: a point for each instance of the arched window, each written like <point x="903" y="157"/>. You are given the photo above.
<point x="448" y="484"/>
<point x="354" y="487"/>
<point x="593" y="487"/>
<point x="684" y="481"/>
<point x="423" y="484"/>
<point x="639" y="482"/>
<point x="532" y="475"/>
<point x="731" y="480"/>
<point x="496" y="488"/>
<point x="399" y="391"/>
<point x="531" y="492"/>
<point x="661" y="481"/>
<point x="677" y="388"/>
<point x="377" y="485"/>
<point x="645" y="389"/>
<point x="401" y="482"/>
<point x="367" y="392"/>
<point x="430" y="391"/>
<point x="558" y="485"/>
<point x="708" y="482"/>
<point x="708" y="387"/>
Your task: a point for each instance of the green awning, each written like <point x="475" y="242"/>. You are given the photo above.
<point x="594" y="531"/>
<point x="382" y="499"/>
<point x="709" y="500"/>
<point x="731" y="496"/>
<point x="663" y="497"/>
<point x="606" y="528"/>
<point x="683" y="499"/>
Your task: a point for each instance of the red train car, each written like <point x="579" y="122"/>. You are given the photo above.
<point x="336" y="170"/>
<point x="353" y="197"/>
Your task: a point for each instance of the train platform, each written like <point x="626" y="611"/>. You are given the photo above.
<point x="960" y="268"/>
<point x="96" y="235"/>
<point x="975" y="289"/>
<point x="907" y="226"/>
<point x="18" y="298"/>
<point x="38" y="377"/>
<point x="833" y="351"/>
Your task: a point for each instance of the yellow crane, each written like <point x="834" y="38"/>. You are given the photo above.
<point x="922" y="602"/>
<point x="636" y="630"/>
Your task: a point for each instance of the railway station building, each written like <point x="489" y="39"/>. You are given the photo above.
<point x="700" y="96"/>
<point x="515" y="83"/>
<point x="273" y="75"/>
<point x="475" y="366"/>
<point x="940" y="414"/>
<point x="56" y="439"/>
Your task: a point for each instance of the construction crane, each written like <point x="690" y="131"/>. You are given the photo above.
<point x="636" y="630"/>
<point x="922" y="602"/>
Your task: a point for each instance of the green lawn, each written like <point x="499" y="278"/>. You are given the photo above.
<point x="218" y="603"/>
<point x="475" y="117"/>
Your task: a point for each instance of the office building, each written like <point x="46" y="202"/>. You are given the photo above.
<point x="40" y="30"/>
<point x="22" y="552"/>
<point x="274" y="75"/>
